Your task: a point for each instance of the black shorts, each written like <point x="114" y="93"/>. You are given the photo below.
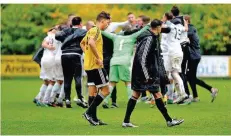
<point x="97" y="77"/>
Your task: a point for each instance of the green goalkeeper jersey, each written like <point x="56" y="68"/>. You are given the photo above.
<point x="123" y="47"/>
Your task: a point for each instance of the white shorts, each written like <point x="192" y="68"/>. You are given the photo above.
<point x="48" y="64"/>
<point x="58" y="70"/>
<point x="43" y="74"/>
<point x="166" y="62"/>
<point x="174" y="63"/>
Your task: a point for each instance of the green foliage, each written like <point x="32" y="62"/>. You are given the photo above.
<point x="25" y="26"/>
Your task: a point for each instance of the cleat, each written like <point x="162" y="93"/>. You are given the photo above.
<point x="82" y="103"/>
<point x="105" y="106"/>
<point x="59" y="104"/>
<point x="114" y="105"/>
<point x="35" y="101"/>
<point x="68" y="104"/>
<point x="185" y="101"/>
<point x="169" y="101"/>
<point x="102" y="123"/>
<point x="214" y="94"/>
<point x="174" y="122"/>
<point x="90" y="120"/>
<point x="128" y="125"/>
<point x="52" y="104"/>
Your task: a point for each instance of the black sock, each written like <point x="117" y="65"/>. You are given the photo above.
<point x="162" y="109"/>
<point x="90" y="99"/>
<point x="93" y="107"/>
<point x="130" y="107"/>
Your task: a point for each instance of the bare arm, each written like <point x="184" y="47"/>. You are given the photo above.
<point x="45" y="44"/>
<point x="186" y="25"/>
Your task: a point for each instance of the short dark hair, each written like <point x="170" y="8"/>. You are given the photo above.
<point x="76" y="21"/>
<point x="103" y="15"/>
<point x="155" y="23"/>
<point x="168" y="15"/>
<point x="129" y="13"/>
<point x="175" y="11"/>
<point x="145" y="19"/>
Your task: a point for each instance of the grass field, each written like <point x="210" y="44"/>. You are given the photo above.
<point x="20" y="116"/>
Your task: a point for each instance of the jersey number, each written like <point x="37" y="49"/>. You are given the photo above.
<point x="121" y="44"/>
<point x="178" y="33"/>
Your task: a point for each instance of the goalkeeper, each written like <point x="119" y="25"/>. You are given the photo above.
<point x="121" y="60"/>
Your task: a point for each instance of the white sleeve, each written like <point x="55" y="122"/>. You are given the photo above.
<point x="114" y="25"/>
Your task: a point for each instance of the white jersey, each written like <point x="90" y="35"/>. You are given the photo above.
<point x="164" y="43"/>
<point x="184" y="37"/>
<point x="48" y="59"/>
<point x="51" y="40"/>
<point x="174" y="39"/>
<point x="114" y="25"/>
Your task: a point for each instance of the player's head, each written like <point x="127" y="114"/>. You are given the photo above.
<point x="131" y="18"/>
<point x="143" y="20"/>
<point x="103" y="20"/>
<point x="89" y="25"/>
<point x="187" y="18"/>
<point x="167" y="16"/>
<point x="175" y="11"/>
<point x="77" y="21"/>
<point x="156" y="26"/>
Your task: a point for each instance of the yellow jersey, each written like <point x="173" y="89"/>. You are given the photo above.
<point x="89" y="57"/>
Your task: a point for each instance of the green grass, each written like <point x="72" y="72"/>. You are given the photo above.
<point x="21" y="116"/>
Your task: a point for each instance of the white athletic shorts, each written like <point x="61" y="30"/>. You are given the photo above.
<point x="48" y="64"/>
<point x="43" y="74"/>
<point x="174" y="63"/>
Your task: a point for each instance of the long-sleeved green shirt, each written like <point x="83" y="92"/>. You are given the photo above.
<point x="123" y="47"/>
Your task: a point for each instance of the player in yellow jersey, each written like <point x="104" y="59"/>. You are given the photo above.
<point x="92" y="46"/>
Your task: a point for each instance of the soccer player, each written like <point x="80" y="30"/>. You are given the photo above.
<point x="71" y="59"/>
<point x="121" y="60"/>
<point x="184" y="41"/>
<point x="194" y="59"/>
<point x="145" y="74"/>
<point x="176" y="56"/>
<point x="132" y="22"/>
<point x="47" y="63"/>
<point x="92" y="46"/>
<point x="164" y="49"/>
<point x="58" y="88"/>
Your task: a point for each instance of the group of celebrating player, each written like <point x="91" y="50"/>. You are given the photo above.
<point x="136" y="55"/>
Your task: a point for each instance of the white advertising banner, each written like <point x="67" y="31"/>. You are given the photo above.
<point x="214" y="66"/>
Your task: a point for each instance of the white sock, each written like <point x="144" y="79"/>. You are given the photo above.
<point x="179" y="84"/>
<point x="61" y="95"/>
<point x="170" y="91"/>
<point x="54" y="91"/>
<point x="129" y="91"/>
<point x="47" y="94"/>
<point x="106" y="100"/>
<point x="41" y="92"/>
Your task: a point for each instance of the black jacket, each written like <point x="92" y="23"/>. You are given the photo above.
<point x="107" y="51"/>
<point x="146" y="61"/>
<point x="194" y="46"/>
<point x="71" y="38"/>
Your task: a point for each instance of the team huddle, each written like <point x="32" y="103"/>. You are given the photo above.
<point x="154" y="58"/>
